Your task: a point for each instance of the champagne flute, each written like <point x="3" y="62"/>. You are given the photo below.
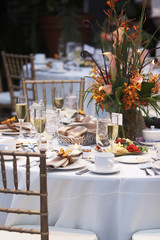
<point x="39" y="121"/>
<point x="59" y="98"/>
<point x="112" y="130"/>
<point x="21" y="110"/>
<point x="71" y="106"/>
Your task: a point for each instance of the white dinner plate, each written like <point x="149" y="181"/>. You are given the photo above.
<point x="76" y="165"/>
<point x="93" y="169"/>
<point x="133" y="159"/>
<point x="156" y="164"/>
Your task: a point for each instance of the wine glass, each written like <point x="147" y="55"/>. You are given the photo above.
<point x="21" y="110"/>
<point x="77" y="56"/>
<point x="61" y="47"/>
<point x="112" y="129"/>
<point x="101" y="133"/>
<point x="59" y="98"/>
<point x="39" y="121"/>
<point x="71" y="106"/>
<point x="51" y="127"/>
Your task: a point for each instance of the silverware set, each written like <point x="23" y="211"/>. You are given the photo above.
<point x="148" y="166"/>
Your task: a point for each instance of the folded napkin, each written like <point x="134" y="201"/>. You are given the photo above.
<point x="5" y="128"/>
<point x="63" y="159"/>
<point x="79" y="128"/>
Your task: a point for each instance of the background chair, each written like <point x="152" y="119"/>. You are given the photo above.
<point x="38" y="232"/>
<point x="46" y="93"/>
<point x="151" y="234"/>
<point x="5" y="102"/>
<point x="16" y="66"/>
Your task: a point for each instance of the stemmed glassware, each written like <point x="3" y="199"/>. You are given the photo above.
<point x="77" y="56"/>
<point x="59" y="98"/>
<point x="61" y="47"/>
<point x="101" y="133"/>
<point x="39" y="121"/>
<point x="112" y="130"/>
<point x="21" y="110"/>
<point x="71" y="106"/>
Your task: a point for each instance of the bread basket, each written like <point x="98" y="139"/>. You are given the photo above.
<point x="86" y="139"/>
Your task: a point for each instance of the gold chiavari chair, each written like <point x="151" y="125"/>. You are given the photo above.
<point x="45" y="91"/>
<point x="33" y="232"/>
<point x="17" y="66"/>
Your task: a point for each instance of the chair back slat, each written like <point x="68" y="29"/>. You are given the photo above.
<point x="27" y="173"/>
<point x="44" y="94"/>
<point x="17" y="67"/>
<point x="42" y="192"/>
<point x="71" y="88"/>
<point x="3" y="171"/>
<point x="52" y="94"/>
<point x="15" y="173"/>
<point x="81" y="99"/>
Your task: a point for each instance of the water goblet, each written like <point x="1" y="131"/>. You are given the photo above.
<point x="71" y="106"/>
<point x="21" y="110"/>
<point x="51" y="127"/>
<point x="101" y="133"/>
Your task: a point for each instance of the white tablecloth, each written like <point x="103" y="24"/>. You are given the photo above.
<point x="113" y="206"/>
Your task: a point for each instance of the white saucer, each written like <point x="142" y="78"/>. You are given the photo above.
<point x="93" y="169"/>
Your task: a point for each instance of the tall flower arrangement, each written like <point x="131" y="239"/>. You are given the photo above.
<point x="124" y="87"/>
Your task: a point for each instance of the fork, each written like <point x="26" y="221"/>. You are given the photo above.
<point x="142" y="166"/>
<point x="149" y="166"/>
<point x="82" y="171"/>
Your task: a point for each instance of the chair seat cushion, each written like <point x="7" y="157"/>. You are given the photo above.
<point x="55" y="233"/>
<point x="152" y="234"/>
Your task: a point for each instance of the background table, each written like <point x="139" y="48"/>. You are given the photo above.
<point x="113" y="206"/>
<point x="70" y="75"/>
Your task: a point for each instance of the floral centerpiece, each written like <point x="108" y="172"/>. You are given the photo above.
<point x="124" y="88"/>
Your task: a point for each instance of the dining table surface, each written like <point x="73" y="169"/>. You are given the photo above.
<point x="113" y="205"/>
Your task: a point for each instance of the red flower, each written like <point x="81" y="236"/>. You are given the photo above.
<point x="133" y="148"/>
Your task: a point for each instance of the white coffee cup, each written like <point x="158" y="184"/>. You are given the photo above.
<point x="104" y="160"/>
<point x="57" y="66"/>
<point x="8" y="145"/>
<point x="40" y="57"/>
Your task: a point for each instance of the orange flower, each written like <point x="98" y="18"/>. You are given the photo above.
<point x="130" y="94"/>
<point x="111" y="3"/>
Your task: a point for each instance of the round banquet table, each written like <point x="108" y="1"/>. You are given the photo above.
<point x="114" y="206"/>
<point x="69" y="75"/>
